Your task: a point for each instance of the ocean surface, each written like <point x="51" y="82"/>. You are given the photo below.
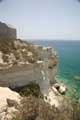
<point x="68" y="54"/>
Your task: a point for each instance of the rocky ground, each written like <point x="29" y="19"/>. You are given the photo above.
<point x="9" y="100"/>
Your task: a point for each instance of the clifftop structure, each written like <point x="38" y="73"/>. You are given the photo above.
<point x="7" y="31"/>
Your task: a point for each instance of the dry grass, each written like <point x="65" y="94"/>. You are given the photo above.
<point x="7" y="46"/>
<point x="33" y="108"/>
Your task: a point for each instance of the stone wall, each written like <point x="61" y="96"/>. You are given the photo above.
<point x="22" y="75"/>
<point x="7" y="31"/>
<point x="48" y="55"/>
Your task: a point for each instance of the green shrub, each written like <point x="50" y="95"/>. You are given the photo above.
<point x="6" y="45"/>
<point x="30" y="89"/>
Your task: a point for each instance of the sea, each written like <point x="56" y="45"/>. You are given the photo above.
<point x="68" y="71"/>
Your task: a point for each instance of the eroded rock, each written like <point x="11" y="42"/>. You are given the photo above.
<point x="61" y="88"/>
<point x="8" y="102"/>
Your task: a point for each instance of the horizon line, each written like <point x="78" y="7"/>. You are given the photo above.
<point x="49" y="40"/>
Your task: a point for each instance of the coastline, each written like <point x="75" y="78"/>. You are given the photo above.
<point x="68" y="62"/>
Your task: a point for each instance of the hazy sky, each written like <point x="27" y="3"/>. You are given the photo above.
<point x="43" y="19"/>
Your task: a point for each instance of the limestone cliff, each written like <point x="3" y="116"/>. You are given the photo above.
<point x="20" y="60"/>
<point x="22" y="63"/>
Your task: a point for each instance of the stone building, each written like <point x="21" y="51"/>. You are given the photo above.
<point x="7" y="31"/>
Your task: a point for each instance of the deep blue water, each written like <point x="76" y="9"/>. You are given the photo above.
<point x="68" y="63"/>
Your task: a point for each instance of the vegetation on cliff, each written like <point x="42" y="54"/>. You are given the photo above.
<point x="33" y="108"/>
<point x="15" y="51"/>
<point x="30" y="89"/>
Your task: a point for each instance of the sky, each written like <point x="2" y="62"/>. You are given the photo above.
<point x="43" y="19"/>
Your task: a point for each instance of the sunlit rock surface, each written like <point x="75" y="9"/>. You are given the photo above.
<point x="8" y="102"/>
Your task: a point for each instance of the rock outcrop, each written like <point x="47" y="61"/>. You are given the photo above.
<point x="9" y="100"/>
<point x="61" y="88"/>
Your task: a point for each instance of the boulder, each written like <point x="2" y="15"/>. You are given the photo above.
<point x="12" y="103"/>
<point x="61" y="88"/>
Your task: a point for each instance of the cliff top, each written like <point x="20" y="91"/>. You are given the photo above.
<point x="17" y="51"/>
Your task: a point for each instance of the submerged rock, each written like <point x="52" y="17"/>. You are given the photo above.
<point x="77" y="77"/>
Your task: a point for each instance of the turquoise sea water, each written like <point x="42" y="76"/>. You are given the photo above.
<point x="68" y="63"/>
